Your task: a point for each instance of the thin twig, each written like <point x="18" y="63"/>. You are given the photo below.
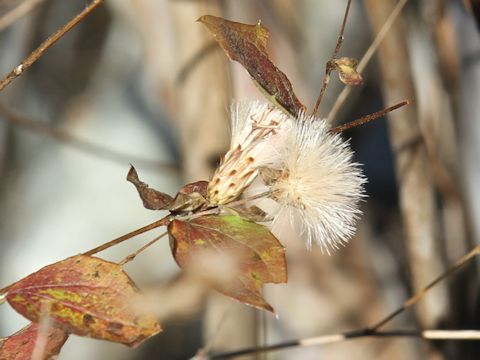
<point x="162" y="222"/>
<point x="154" y="225"/>
<point x="422" y="292"/>
<point x="334" y="338"/>
<point x="134" y="255"/>
<point x="202" y="353"/>
<point x="372" y="331"/>
<point x="329" y="68"/>
<point x="367" y="57"/>
<point x="18" y="12"/>
<point x="367" y="118"/>
<point x="38" y="52"/>
<point x="40" y="127"/>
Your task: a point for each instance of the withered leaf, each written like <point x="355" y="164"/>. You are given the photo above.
<point x="347" y="70"/>
<point x="253" y="213"/>
<point x="152" y="199"/>
<point x="260" y="256"/>
<point x="22" y="344"/>
<point x="247" y="45"/>
<point x="195" y="187"/>
<point x="86" y="296"/>
<point x="190" y="197"/>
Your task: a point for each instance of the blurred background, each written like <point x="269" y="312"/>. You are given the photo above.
<point x="139" y="81"/>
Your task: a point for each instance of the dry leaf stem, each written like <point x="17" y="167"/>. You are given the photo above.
<point x="367" y="118"/>
<point x="154" y="225"/>
<point x="144" y="247"/>
<point x="372" y="331"/>
<point x="356" y="334"/>
<point x="38" y="52"/>
<point x="366" y="58"/>
<point x="329" y="69"/>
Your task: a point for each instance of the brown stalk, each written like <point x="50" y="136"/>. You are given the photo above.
<point x="38" y="52"/>
<point x="350" y="335"/>
<point x="328" y="70"/>
<point x="367" y="118"/>
<point x="367" y="57"/>
<point x="373" y="331"/>
<point x="162" y="222"/>
<point x="154" y="225"/>
<point x="144" y="247"/>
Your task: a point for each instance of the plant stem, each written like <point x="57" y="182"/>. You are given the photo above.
<point x="125" y="237"/>
<point x="366" y="58"/>
<point x="329" y="68"/>
<point x="361" y="333"/>
<point x="38" y="52"/>
<point x="134" y="255"/>
<point x="372" y="331"/>
<point x="367" y="118"/>
<point x="422" y="292"/>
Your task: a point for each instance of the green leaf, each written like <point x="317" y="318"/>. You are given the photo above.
<point x="260" y="256"/>
<point x="86" y="296"/>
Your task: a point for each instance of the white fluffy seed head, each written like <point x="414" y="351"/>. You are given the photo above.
<point x="319" y="185"/>
<point x="308" y="170"/>
<point x="258" y="129"/>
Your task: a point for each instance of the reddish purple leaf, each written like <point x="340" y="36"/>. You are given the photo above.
<point x="86" y="296"/>
<point x="24" y="343"/>
<point x="247" y="45"/>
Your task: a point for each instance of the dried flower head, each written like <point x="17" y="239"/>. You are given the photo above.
<point x="258" y="129"/>
<point x="318" y="183"/>
<point x="307" y="169"/>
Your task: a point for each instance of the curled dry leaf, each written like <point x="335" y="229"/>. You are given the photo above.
<point x="347" y="70"/>
<point x="190" y="197"/>
<point x="260" y="258"/>
<point x="247" y="45"/>
<point x="195" y="187"/>
<point x="152" y="199"/>
<point x="86" y="296"/>
<point x="21" y="345"/>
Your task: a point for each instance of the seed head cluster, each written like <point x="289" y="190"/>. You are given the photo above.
<point x="311" y="174"/>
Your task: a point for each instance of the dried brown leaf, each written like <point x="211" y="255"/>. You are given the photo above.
<point x="86" y="296"/>
<point x="247" y="45"/>
<point x="190" y="197"/>
<point x="22" y="344"/>
<point x="152" y="199"/>
<point x="347" y="70"/>
<point x="260" y="256"/>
